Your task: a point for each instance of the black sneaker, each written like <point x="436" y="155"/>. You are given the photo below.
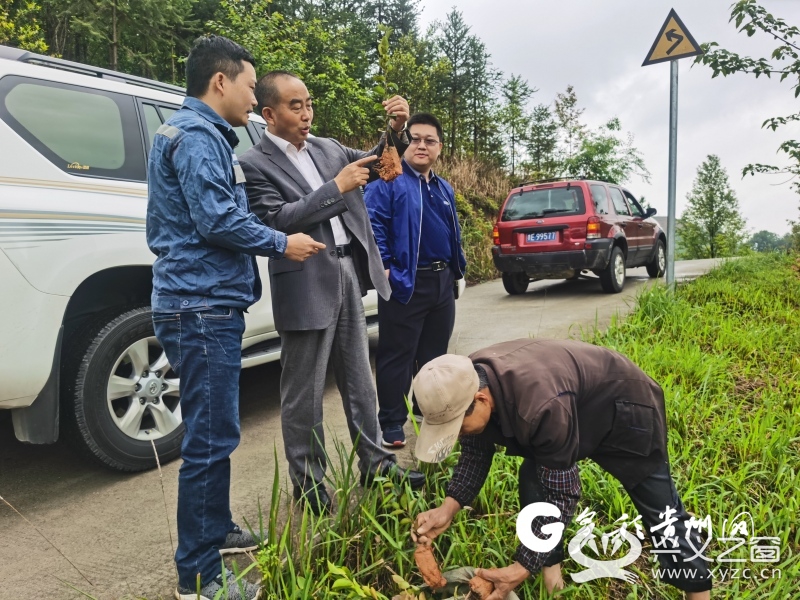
<point x="237" y="590"/>
<point x="394" y="437"/>
<point x="396" y="474"/>
<point x="238" y="541"/>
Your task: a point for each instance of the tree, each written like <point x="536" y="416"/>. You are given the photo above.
<point x="342" y="104"/>
<point x="453" y="42"/>
<point x="400" y="15"/>
<point x="711" y="226"/>
<point x="751" y="18"/>
<point x="480" y="103"/>
<point x="20" y="25"/>
<point x="143" y="37"/>
<point x="766" y="241"/>
<point x="416" y="68"/>
<point x="543" y="143"/>
<point x="515" y="119"/>
<point x="607" y="156"/>
<point x="569" y="115"/>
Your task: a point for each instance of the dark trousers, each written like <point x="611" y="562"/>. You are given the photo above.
<point x="205" y="351"/>
<point x="410" y="335"/>
<point x="650" y="497"/>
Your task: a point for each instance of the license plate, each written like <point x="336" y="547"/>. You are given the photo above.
<point x="545" y="236"/>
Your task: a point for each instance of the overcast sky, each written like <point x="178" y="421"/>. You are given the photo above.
<point x="599" y="47"/>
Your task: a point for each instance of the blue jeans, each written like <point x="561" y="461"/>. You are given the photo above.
<point x="205" y="350"/>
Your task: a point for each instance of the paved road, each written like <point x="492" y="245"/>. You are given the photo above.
<point x="113" y="526"/>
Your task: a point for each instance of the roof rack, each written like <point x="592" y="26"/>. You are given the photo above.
<point x="74" y="67"/>
<point x="550" y="180"/>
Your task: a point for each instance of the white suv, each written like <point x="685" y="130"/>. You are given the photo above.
<point x="77" y="347"/>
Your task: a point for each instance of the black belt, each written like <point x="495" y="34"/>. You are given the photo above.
<point x="342" y="251"/>
<point x="437" y="265"/>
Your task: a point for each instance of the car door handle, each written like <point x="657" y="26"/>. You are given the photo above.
<point x="623" y="225"/>
<point x="641" y="226"/>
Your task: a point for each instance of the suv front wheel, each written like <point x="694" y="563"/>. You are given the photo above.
<point x="119" y="392"/>
<point x="612" y="278"/>
<point x="515" y="283"/>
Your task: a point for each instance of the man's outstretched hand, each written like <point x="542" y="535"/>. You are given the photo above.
<point x="300" y="246"/>
<point x="397" y="106"/>
<point x="354" y="175"/>
<point x="505" y="580"/>
<point x="431" y="523"/>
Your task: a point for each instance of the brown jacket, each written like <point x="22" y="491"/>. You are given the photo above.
<point x="559" y="401"/>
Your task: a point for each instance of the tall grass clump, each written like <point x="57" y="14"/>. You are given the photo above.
<point x="726" y="350"/>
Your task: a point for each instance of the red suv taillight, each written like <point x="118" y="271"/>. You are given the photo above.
<point x="496" y="236"/>
<point x="593" y="228"/>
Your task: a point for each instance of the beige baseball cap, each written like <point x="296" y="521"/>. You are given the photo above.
<point x="444" y="389"/>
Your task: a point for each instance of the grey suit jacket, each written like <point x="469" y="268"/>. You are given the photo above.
<point x="304" y="293"/>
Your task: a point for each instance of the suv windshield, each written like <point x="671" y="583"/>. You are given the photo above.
<point x="533" y="204"/>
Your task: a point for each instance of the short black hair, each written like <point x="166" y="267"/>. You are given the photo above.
<point x="267" y="89"/>
<point x="426" y="119"/>
<point x="213" y="54"/>
<point x="483" y="379"/>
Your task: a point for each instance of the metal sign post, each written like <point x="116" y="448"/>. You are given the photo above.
<point x="673" y="169"/>
<point x="672" y="43"/>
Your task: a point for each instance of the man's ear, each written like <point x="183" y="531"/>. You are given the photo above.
<point x="268" y="115"/>
<point x="217" y="83"/>
<point x="485" y="396"/>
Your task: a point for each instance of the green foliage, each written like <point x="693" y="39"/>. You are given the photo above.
<point x="383" y="88"/>
<point x="794" y="235"/>
<point x="711" y="226"/>
<point x="606" y="156"/>
<point x="20" y="25"/>
<point x="310" y="49"/>
<point x="331" y="45"/>
<point x="513" y="114"/>
<point x="476" y="236"/>
<point x="542" y="141"/>
<point x="143" y="37"/>
<point x="569" y="119"/>
<point x="726" y="350"/>
<point x="766" y="241"/>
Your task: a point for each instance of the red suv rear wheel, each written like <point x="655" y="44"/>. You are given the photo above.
<point x="515" y="283"/>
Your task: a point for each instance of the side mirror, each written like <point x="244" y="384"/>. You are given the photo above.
<point x="650" y="212"/>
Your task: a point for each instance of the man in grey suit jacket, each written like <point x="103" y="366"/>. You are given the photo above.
<point x="297" y="184"/>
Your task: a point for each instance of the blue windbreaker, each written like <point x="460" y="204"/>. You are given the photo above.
<point x="395" y="210"/>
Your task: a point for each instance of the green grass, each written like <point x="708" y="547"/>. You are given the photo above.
<point x="726" y="349"/>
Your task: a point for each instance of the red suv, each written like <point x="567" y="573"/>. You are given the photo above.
<point x="556" y="229"/>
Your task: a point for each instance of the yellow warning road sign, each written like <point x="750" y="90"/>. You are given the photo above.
<point x="673" y="42"/>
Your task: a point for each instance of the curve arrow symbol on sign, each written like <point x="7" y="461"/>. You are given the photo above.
<point x="673" y="36"/>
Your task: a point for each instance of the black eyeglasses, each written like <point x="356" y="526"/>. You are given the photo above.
<point x="429" y="142"/>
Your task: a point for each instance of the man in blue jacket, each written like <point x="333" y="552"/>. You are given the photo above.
<point x="416" y="228"/>
<point x="204" y="277"/>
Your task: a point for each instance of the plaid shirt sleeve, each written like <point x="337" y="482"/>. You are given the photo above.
<point x="472" y="469"/>
<point x="563" y="489"/>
